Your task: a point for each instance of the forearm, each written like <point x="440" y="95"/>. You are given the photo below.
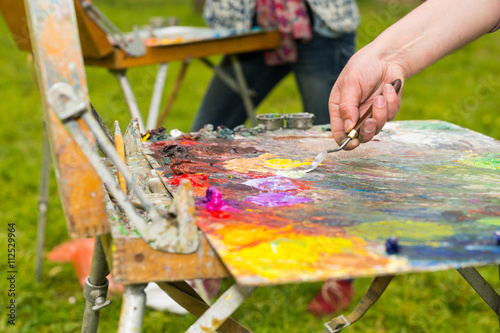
<point x="432" y="30"/>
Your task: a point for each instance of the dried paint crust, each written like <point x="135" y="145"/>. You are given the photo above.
<point x="412" y="182"/>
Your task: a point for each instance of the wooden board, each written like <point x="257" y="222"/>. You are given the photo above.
<point x="431" y="184"/>
<point x="135" y="262"/>
<point x="60" y="60"/>
<point x="199" y="49"/>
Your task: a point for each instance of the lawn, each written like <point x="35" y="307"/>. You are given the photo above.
<point x="462" y="89"/>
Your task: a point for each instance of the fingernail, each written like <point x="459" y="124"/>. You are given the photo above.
<point x="370" y="127"/>
<point x="347" y="125"/>
<point x="388" y="88"/>
<point x="379" y="101"/>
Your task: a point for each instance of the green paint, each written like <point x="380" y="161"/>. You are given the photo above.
<point x="487" y="162"/>
<point x="490" y="221"/>
<point x="122" y="230"/>
<point x="427" y="125"/>
<point x="167" y="160"/>
<point x="403" y="230"/>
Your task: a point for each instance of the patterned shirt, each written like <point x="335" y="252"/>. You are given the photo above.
<point x="339" y="16"/>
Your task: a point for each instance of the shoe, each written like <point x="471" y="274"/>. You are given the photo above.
<point x="334" y="296"/>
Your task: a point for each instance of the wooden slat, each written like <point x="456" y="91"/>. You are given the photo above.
<point x="60" y="60"/>
<point x="135" y="262"/>
<point x="200" y="49"/>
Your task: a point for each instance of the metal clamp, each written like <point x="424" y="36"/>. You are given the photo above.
<point x="331" y="330"/>
<point x="134" y="47"/>
<point x="65" y="102"/>
<point x="96" y="294"/>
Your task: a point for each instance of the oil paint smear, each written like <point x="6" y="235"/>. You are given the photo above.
<point x="246" y="165"/>
<point x="280" y="184"/>
<point x="277" y="199"/>
<point x="489" y="161"/>
<point x="199" y="182"/>
<point x="284" y="163"/>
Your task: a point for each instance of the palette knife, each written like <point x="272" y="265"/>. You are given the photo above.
<point x="351" y="136"/>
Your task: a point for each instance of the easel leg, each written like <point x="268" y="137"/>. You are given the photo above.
<point x="134" y="302"/>
<point x="154" y="107"/>
<point x="121" y="76"/>
<point x="482" y="287"/>
<point x="245" y="93"/>
<point x="95" y="289"/>
<point x="222" y="309"/>
<point x="43" y="205"/>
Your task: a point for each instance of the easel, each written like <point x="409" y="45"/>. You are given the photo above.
<point x="98" y="50"/>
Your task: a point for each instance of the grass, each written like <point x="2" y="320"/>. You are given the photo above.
<point x="462" y="88"/>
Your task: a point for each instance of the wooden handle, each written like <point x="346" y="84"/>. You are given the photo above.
<point x="397" y="85"/>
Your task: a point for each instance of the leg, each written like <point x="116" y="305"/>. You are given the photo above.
<point x="319" y="64"/>
<point x="223" y="106"/>
<point x="154" y="107"/>
<point x="134" y="302"/>
<point x="222" y="309"/>
<point x="43" y="205"/>
<point x="121" y="76"/>
<point x="95" y="289"/>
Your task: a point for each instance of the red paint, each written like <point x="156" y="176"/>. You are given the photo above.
<point x="197" y="179"/>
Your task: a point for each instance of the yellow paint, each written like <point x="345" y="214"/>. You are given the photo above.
<point x="284" y="163"/>
<point x="246" y="165"/>
<point x="296" y="253"/>
<point x="248" y="235"/>
<point x="406" y="231"/>
<point x="145" y="137"/>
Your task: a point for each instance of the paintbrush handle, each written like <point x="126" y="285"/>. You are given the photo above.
<point x="355" y="131"/>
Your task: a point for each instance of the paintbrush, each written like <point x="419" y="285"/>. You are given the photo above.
<point x="352" y="134"/>
<point x="120" y="149"/>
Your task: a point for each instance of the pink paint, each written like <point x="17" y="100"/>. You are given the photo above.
<point x="214" y="202"/>
<point x="277" y="199"/>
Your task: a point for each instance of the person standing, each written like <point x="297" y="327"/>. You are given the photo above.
<point x="317" y="41"/>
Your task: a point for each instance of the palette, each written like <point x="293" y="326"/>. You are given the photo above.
<point x="431" y="184"/>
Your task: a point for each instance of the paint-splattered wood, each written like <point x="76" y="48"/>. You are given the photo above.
<point x="135" y="262"/>
<point x="60" y="60"/>
<point x="242" y="43"/>
<point x="94" y="41"/>
<point x="433" y="185"/>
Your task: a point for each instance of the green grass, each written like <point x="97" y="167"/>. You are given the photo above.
<point x="462" y="88"/>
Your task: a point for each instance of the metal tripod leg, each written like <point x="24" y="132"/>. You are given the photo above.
<point x="154" y="108"/>
<point x="222" y="309"/>
<point x="95" y="289"/>
<point x="121" y="76"/>
<point x="245" y="92"/>
<point x="482" y="287"/>
<point x="134" y="302"/>
<point x="43" y="205"/>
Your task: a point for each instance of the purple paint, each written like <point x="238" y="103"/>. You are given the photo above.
<point x="214" y="202"/>
<point x="272" y="184"/>
<point x="277" y="199"/>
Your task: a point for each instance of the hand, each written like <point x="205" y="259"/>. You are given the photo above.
<point x="363" y="82"/>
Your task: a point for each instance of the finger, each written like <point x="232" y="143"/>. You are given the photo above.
<point x="343" y="107"/>
<point x="368" y="130"/>
<point x="393" y="101"/>
<point x="337" y="124"/>
<point x="349" y="106"/>
<point x="379" y="112"/>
